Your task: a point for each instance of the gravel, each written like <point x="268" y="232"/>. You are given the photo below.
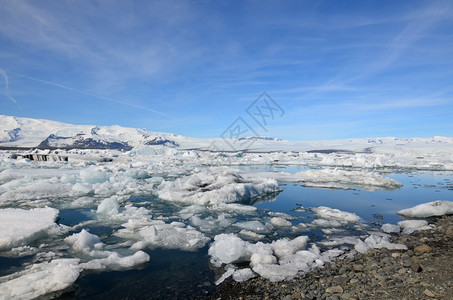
<point x="424" y="271"/>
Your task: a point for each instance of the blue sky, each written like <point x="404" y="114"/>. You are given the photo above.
<point x="338" y="69"/>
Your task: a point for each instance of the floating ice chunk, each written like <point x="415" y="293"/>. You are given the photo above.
<point x="300" y="227"/>
<point x="409" y="226"/>
<point x="335" y="214"/>
<point x="332" y="178"/>
<point x="282" y="215"/>
<point x="108" y="206"/>
<point x="84" y="241"/>
<point x="83" y="202"/>
<point x="336" y="241"/>
<point x="114" y="261"/>
<point x="375" y="241"/>
<point x="243" y="275"/>
<point x="300" y="209"/>
<point x="92" y="176"/>
<point x="18" y="226"/>
<point x="189" y="211"/>
<point x="41" y="279"/>
<point x="215" y="185"/>
<point x="430" y="209"/>
<point x="250" y="235"/>
<point x="285" y="246"/>
<point x="280" y="222"/>
<point x="328" y="223"/>
<point x="157" y="234"/>
<point x="228" y="248"/>
<point x="80" y="189"/>
<point x="255" y="226"/>
<point x="390" y="228"/>
<point x="328" y="231"/>
<point x="110" y="210"/>
<point x="235" y="207"/>
<point x="210" y="224"/>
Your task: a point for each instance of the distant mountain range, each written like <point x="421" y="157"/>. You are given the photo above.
<point x="26" y="132"/>
<point x="32" y="133"/>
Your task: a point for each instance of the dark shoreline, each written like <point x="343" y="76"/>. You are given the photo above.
<point x="417" y="273"/>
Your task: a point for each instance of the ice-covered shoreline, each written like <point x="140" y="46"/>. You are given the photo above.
<point x="203" y="199"/>
<point x="420" y="272"/>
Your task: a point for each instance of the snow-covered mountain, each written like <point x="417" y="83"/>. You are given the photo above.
<point x="27" y="132"/>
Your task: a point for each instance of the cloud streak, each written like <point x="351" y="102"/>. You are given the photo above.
<point x="92" y="95"/>
<point x="6" y="89"/>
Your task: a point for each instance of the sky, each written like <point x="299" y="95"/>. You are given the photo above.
<point x="329" y="69"/>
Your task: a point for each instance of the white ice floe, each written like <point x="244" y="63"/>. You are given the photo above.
<point x="285" y="246"/>
<point x="214" y="186"/>
<point x="409" y="226"/>
<point x="430" y="209"/>
<point x="328" y="223"/>
<point x="250" y="235"/>
<point x="109" y="210"/>
<point x="211" y="224"/>
<point x="229" y="248"/>
<point x="361" y="246"/>
<point x="375" y="241"/>
<point x="84" y="242"/>
<point x="158" y="234"/>
<point x="331" y="178"/>
<point x="390" y="228"/>
<point x="114" y="261"/>
<point x="40" y="279"/>
<point x="254" y="225"/>
<point x="19" y="227"/>
<point x="328" y="213"/>
<point x="235" y="207"/>
<point x="279" y="260"/>
<point x="280" y="222"/>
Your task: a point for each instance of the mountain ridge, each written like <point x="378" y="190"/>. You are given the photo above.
<point x="42" y="133"/>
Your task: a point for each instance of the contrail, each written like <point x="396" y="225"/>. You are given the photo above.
<point x="92" y="95"/>
<point x="7" y="92"/>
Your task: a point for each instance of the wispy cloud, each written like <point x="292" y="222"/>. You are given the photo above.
<point x="92" y="95"/>
<point x="6" y="89"/>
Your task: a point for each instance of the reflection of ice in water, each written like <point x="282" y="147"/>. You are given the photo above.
<point x="115" y="215"/>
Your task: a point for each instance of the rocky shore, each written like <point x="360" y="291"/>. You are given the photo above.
<point x="424" y="271"/>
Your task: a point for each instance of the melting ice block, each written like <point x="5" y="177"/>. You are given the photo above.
<point x="328" y="213"/>
<point x="84" y="241"/>
<point x="18" y="226"/>
<point x="214" y="186"/>
<point x="158" y="234"/>
<point x="377" y="241"/>
<point x="41" y="279"/>
<point x="410" y="226"/>
<point x="430" y="209"/>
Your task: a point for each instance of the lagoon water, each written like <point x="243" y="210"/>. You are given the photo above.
<point x="185" y="275"/>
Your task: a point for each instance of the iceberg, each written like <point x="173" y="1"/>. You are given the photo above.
<point x="430" y="209"/>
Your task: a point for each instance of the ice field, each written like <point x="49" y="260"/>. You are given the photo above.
<point x="167" y="215"/>
<point x="250" y="214"/>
